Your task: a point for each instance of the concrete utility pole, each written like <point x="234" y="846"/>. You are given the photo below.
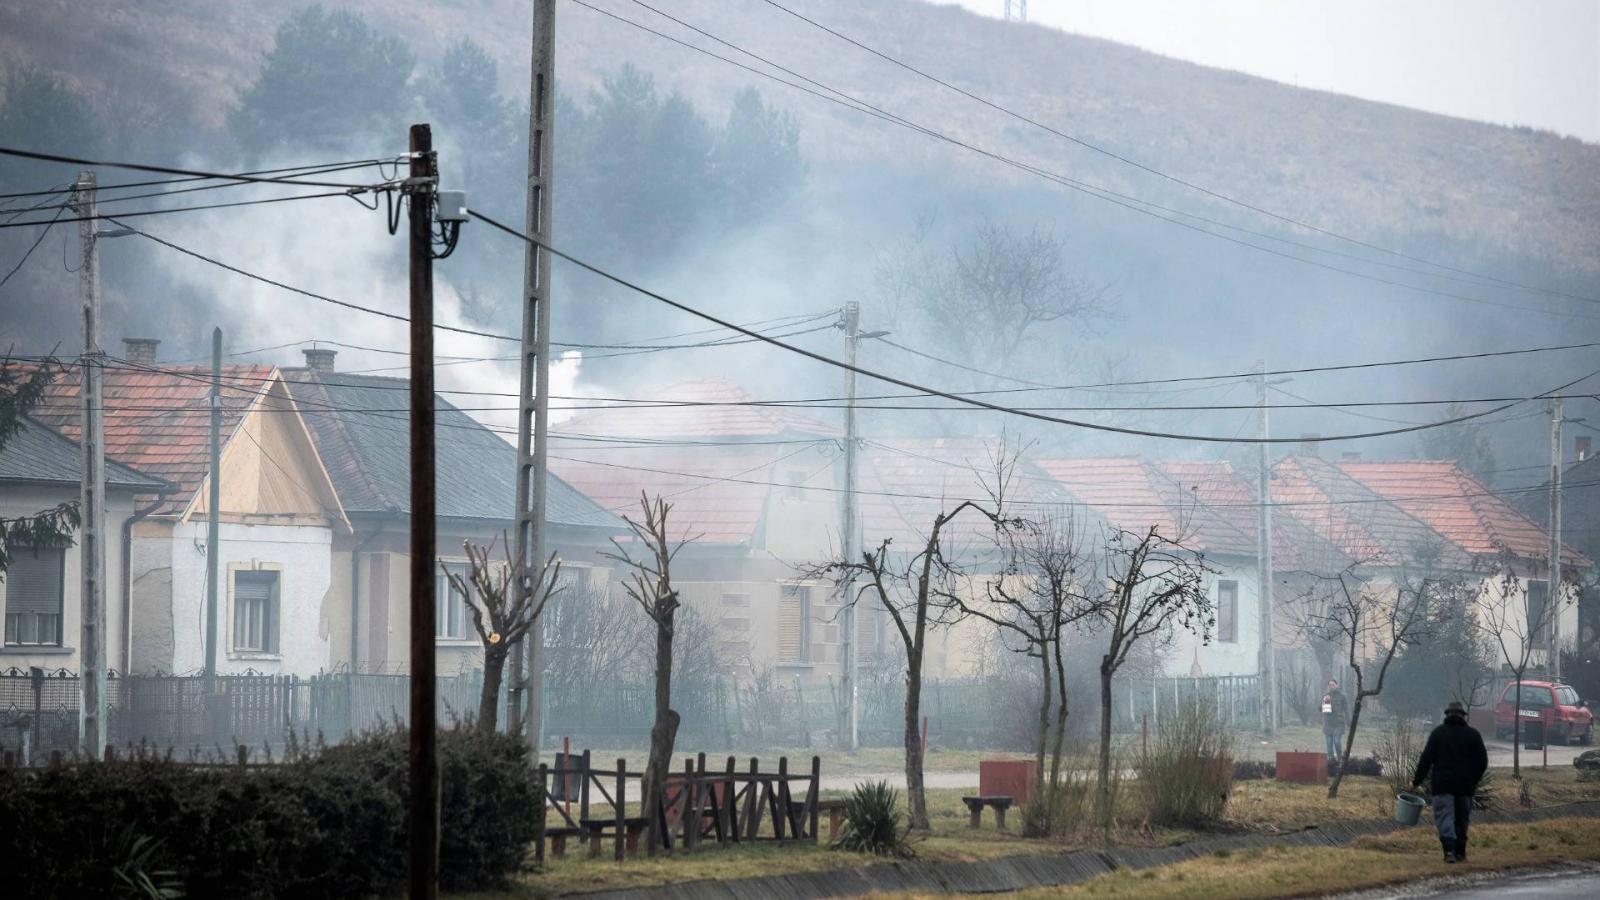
<point x="1017" y="9"/>
<point x="533" y="410"/>
<point x="849" y="535"/>
<point x="1267" y="667"/>
<point x="1553" y="592"/>
<point x="91" y="538"/>
<point x="213" y="520"/>
<point x="423" y="882"/>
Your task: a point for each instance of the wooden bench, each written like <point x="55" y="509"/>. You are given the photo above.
<point x="999" y="803"/>
<point x="596" y="831"/>
<point x="558" y="839"/>
<point x="835" y="812"/>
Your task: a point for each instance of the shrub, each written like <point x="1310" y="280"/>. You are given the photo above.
<point x="872" y="821"/>
<point x="1190" y="770"/>
<point x="1396" y="751"/>
<point x="327" y="822"/>
<point x="1061" y="806"/>
<point x="1253" y="769"/>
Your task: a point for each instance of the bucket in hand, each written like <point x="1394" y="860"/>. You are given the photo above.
<point x="1408" y="808"/>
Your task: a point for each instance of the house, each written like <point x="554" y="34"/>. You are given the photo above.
<point x="1399" y="518"/>
<point x="1580" y="525"/>
<point x="40" y="592"/>
<point x="278" y="516"/>
<point x="358" y="427"/>
<point x="755" y="494"/>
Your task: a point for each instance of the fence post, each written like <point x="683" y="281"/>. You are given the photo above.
<point x="690" y="804"/>
<point x="725" y="808"/>
<point x="752" y="802"/>
<point x="811" y="796"/>
<point x="622" y="804"/>
<point x="583" y="788"/>
<point x="539" y="823"/>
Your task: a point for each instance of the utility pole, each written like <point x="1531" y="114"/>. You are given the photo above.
<point x="1017" y="9"/>
<point x="533" y="404"/>
<point x="424" y="782"/>
<point x="849" y="535"/>
<point x="1553" y="592"/>
<point x="92" y="530"/>
<point x="213" y="521"/>
<point x="1267" y="667"/>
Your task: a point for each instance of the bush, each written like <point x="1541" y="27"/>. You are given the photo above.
<point x="1397" y="751"/>
<point x="327" y="822"/>
<point x="1061" y="806"/>
<point x="872" y="821"/>
<point x="1190" y="770"/>
<point x="1253" y="769"/>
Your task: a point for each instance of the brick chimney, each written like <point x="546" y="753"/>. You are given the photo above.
<point x="140" y="350"/>
<point x="1581" y="447"/>
<point x="320" y="359"/>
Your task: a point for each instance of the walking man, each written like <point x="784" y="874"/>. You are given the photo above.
<point x="1335" y="713"/>
<point x="1457" y="760"/>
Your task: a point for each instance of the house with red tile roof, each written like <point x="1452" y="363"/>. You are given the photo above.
<point x="279" y="513"/>
<point x="754" y="491"/>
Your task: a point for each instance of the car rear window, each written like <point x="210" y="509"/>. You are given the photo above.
<point x="1566" y="696"/>
<point x="1534" y="696"/>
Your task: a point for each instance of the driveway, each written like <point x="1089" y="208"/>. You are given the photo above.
<point x="1557" y="883"/>
<point x="1560" y="756"/>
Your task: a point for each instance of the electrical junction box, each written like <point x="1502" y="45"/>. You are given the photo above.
<point x="451" y="206"/>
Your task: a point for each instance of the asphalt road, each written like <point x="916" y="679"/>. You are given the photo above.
<point x="1552" y="884"/>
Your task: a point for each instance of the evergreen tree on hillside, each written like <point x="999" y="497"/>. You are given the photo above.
<point x="329" y="82"/>
<point x="757" y="162"/>
<point x="41" y="111"/>
<point x="1466" y="443"/>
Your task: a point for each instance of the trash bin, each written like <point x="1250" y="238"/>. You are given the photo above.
<point x="1408" y="808"/>
<point x="1533" y="735"/>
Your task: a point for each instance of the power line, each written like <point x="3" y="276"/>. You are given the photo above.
<point x="325" y="167"/>
<point x="203" y="187"/>
<point x="172" y="170"/>
<point x="1218" y="195"/>
<point x="31" y="247"/>
<point x="180" y="209"/>
<point x="1144" y="207"/>
<point x="984" y="404"/>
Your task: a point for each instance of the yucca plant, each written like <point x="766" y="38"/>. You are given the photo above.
<point x="872" y="822"/>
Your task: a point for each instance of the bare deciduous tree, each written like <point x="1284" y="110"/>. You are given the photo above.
<point x="503" y="605"/>
<point x="1373" y="626"/>
<point x="649" y="584"/>
<point x="1152" y="584"/>
<point x="1517" y="629"/>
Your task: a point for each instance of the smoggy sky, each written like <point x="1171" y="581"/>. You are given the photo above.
<point x="1514" y="62"/>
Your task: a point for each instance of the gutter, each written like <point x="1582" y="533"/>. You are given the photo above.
<point x="127" y="574"/>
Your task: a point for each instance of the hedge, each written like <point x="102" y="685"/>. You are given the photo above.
<point x="328" y="822"/>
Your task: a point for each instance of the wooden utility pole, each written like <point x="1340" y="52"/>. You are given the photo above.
<point x="91" y="538"/>
<point x="424" y="802"/>
<point x="1267" y="667"/>
<point x="849" y="536"/>
<point x="533" y="405"/>
<point x="1553" y="592"/>
<point x="213" y="521"/>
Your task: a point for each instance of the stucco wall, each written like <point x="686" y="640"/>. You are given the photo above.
<point x="27" y="501"/>
<point x="303" y="555"/>
<point x="152" y="597"/>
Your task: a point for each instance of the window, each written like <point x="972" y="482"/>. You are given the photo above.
<point x="33" y="586"/>
<point x="1566" y="696"/>
<point x="449" y="605"/>
<point x="867" y="629"/>
<point x="255" y="611"/>
<point x="1227" y="612"/>
<point x="1534" y="697"/>
<point x="1538" y="617"/>
<point x="794" y="615"/>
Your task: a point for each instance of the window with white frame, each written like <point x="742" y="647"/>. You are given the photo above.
<point x="450" y="616"/>
<point x="255" y="610"/>
<point x="1227" y="611"/>
<point x="34" y="586"/>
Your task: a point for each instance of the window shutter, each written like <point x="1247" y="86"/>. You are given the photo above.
<point x="34" y="585"/>
<point x="791" y="624"/>
<point x="866" y="629"/>
<point x="255" y="616"/>
<point x="1227" y="612"/>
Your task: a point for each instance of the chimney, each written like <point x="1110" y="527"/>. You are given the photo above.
<point x="141" y="351"/>
<point x="320" y="359"/>
<point x="1350" y="456"/>
<point x="1581" y="447"/>
<point x="1309" y="444"/>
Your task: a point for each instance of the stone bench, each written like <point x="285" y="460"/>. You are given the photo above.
<point x="999" y="803"/>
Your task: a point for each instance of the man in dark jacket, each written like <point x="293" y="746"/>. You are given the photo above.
<point x="1457" y="759"/>
<point x="1335" y="716"/>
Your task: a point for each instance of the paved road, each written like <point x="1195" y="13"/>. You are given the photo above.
<point x="1532" y="886"/>
<point x="1560" y="757"/>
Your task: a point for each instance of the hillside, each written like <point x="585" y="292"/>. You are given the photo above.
<point x="1381" y="172"/>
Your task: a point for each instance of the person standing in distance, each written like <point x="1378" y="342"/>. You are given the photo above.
<point x="1335" y="714"/>
<point x="1456" y="758"/>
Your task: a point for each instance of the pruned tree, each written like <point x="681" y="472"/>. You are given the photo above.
<point x="1152" y="585"/>
<point x="1518" y="627"/>
<point x="1373" y="626"/>
<point x="916" y="592"/>
<point x="1037" y="598"/>
<point x="504" y="601"/>
<point x="649" y="584"/>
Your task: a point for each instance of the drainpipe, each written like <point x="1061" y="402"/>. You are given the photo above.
<point x="355" y="592"/>
<point x="127" y="575"/>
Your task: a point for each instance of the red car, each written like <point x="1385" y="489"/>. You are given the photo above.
<point x="1555" y="705"/>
